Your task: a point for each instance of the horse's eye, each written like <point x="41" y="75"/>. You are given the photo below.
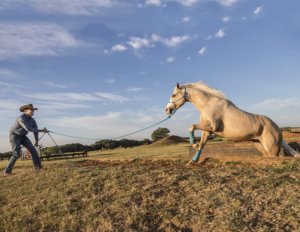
<point x="173" y="95"/>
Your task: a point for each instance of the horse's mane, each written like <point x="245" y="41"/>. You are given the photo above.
<point x="204" y="87"/>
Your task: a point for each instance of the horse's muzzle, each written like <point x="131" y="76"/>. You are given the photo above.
<point x="169" y="109"/>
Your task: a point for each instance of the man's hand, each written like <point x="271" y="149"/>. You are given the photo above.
<point x="44" y="130"/>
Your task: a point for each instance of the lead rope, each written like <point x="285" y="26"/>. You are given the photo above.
<point x="113" y="138"/>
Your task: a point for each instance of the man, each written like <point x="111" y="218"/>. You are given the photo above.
<point x="24" y="124"/>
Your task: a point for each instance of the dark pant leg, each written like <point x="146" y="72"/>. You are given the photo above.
<point x="16" y="142"/>
<point x="34" y="155"/>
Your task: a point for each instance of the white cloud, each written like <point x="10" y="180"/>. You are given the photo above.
<point x="118" y="48"/>
<point x="110" y="81"/>
<point x="4" y="4"/>
<point x="187" y="2"/>
<point x="8" y="74"/>
<point x="170" y="59"/>
<point x="153" y="2"/>
<point x="162" y="3"/>
<point x="10" y="105"/>
<point x="144" y="72"/>
<point x="186" y="19"/>
<point x="96" y="122"/>
<point x="74" y="7"/>
<point x="134" y="89"/>
<point x="112" y="97"/>
<point x="226" y="19"/>
<point x="137" y="43"/>
<point x="7" y="87"/>
<point x="202" y="50"/>
<point x="105" y="126"/>
<point x="55" y="85"/>
<point x="75" y="97"/>
<point x="146" y="118"/>
<point x="226" y="3"/>
<point x="34" y="39"/>
<point x="209" y="37"/>
<point x="172" y="41"/>
<point x="220" y="33"/>
<point x="46" y="106"/>
<point x="278" y="104"/>
<point x="62" y="97"/>
<point x="108" y="122"/>
<point x="258" y="10"/>
<point x="284" y="111"/>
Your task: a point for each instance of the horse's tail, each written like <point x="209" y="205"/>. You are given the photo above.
<point x="289" y="150"/>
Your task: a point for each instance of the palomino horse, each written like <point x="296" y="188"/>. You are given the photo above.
<point x="221" y="117"/>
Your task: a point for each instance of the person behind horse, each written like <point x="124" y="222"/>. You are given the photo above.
<point x="24" y="124"/>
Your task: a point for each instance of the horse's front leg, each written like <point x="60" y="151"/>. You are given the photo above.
<point x="206" y="128"/>
<point x="203" y="125"/>
<point x="204" y="138"/>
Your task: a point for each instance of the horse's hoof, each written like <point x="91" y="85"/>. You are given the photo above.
<point x="191" y="163"/>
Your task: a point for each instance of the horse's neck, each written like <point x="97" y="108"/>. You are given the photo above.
<point x="198" y="98"/>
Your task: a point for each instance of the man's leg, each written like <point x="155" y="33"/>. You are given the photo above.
<point x="15" y="141"/>
<point x="34" y="155"/>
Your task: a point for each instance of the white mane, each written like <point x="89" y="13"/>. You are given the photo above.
<point x="201" y="86"/>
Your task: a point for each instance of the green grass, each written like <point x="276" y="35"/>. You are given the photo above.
<point x="150" y="189"/>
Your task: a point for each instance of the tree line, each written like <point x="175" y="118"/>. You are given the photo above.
<point x="99" y="145"/>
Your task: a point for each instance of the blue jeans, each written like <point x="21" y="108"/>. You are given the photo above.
<point x="16" y="142"/>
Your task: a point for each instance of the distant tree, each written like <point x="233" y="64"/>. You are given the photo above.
<point x="5" y="155"/>
<point x="98" y="145"/>
<point x="49" y="150"/>
<point x="73" y="147"/>
<point x="160" y="133"/>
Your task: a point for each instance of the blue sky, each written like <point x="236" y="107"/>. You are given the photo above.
<point x="102" y="68"/>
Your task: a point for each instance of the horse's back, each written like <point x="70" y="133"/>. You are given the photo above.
<point x="271" y="128"/>
<point x="238" y="123"/>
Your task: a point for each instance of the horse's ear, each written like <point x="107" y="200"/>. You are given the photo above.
<point x="178" y="85"/>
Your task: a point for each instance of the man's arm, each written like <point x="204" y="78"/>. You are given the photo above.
<point x="25" y="124"/>
<point x="36" y="133"/>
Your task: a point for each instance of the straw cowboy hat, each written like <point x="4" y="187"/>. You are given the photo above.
<point x="29" y="106"/>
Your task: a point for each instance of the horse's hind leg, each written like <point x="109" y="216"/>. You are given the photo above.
<point x="270" y="144"/>
<point x="270" y="138"/>
<point x="261" y="149"/>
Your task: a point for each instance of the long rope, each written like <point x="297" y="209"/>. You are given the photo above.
<point x="58" y="147"/>
<point x="113" y="138"/>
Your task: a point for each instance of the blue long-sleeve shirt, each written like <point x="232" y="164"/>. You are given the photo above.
<point x="25" y="124"/>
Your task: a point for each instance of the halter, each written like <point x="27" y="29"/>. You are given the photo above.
<point x="185" y="96"/>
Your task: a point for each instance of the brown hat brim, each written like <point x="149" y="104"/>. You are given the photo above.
<point x="30" y="106"/>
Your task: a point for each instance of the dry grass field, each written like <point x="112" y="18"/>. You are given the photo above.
<point x="150" y="188"/>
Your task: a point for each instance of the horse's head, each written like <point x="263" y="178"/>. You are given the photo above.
<point x="178" y="98"/>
